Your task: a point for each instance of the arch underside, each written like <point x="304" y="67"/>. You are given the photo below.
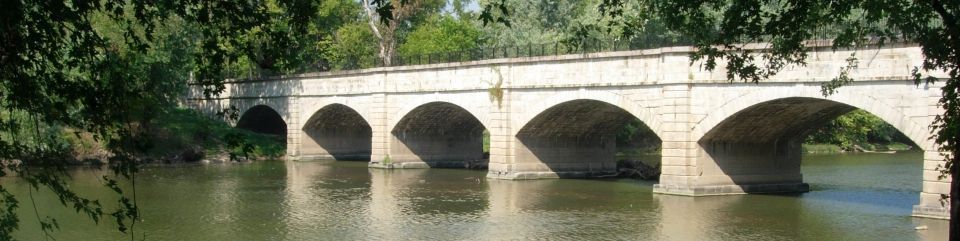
<point x="572" y="139"/>
<point x="336" y="132"/>
<point x="438" y="134"/>
<point x="263" y="119"/>
<point x="762" y="143"/>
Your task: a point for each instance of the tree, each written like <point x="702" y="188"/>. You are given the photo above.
<point x="337" y="22"/>
<point x="387" y="18"/>
<point x="857" y="127"/>
<point x="441" y="33"/>
<point x="106" y="67"/>
<point x="540" y="22"/>
<point x="351" y="47"/>
<point x="719" y="28"/>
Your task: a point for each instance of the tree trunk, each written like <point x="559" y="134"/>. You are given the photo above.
<point x="389" y="52"/>
<point x="382" y="40"/>
<point x="383" y="53"/>
<point x="950" y="24"/>
<point x="954" y="199"/>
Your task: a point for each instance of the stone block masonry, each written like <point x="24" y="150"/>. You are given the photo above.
<point x="556" y="116"/>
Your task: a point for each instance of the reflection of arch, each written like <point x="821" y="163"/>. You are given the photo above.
<point x="575" y="138"/>
<point x="263" y="119"/>
<point x="915" y="131"/>
<point x="648" y="117"/>
<point x="338" y="132"/>
<point x="438" y="134"/>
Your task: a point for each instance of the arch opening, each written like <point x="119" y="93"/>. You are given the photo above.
<point x="763" y="144"/>
<point x="336" y="132"/>
<point x="263" y="119"/>
<point x="439" y="134"/>
<point x="588" y="138"/>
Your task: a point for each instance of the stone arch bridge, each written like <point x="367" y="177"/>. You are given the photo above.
<point x="556" y="116"/>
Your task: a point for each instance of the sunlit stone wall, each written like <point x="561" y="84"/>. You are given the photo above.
<point x="552" y="116"/>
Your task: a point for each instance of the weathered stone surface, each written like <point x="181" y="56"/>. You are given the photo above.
<point x="554" y="116"/>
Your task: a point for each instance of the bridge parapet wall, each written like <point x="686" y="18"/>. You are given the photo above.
<point x="680" y="101"/>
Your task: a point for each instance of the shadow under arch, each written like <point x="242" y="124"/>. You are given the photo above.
<point x="759" y="147"/>
<point x="917" y="132"/>
<point x="336" y="132"/>
<point x="265" y="120"/>
<point x="647" y="117"/>
<point x="575" y="138"/>
<point x="438" y="134"/>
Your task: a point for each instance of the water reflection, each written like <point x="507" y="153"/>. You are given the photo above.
<point x="571" y="209"/>
<point x="683" y="218"/>
<point x="384" y="211"/>
<point x="439" y="204"/>
<point x="348" y="201"/>
<point x="326" y="198"/>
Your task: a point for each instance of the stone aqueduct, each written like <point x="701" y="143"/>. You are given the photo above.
<point x="556" y="116"/>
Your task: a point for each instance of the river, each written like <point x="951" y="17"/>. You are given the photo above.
<point x="853" y="197"/>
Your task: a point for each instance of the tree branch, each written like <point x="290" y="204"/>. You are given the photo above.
<point x="372" y="20"/>
<point x="950" y="22"/>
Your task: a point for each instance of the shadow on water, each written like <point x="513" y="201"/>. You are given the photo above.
<point x="337" y="200"/>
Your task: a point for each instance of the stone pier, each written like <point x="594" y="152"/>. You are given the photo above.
<point x="557" y="116"/>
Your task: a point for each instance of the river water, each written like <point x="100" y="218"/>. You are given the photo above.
<point x="853" y="197"/>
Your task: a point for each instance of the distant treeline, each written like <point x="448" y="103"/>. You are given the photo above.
<point x="858" y="129"/>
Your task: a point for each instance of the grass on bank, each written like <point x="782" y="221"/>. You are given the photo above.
<point x="868" y="147"/>
<point x="184" y="135"/>
<point x="486" y="141"/>
<point x="181" y="129"/>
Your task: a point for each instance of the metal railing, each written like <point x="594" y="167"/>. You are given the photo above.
<point x="475" y="54"/>
<point x="643" y="41"/>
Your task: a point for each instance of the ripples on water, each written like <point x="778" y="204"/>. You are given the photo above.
<point x="854" y="197"/>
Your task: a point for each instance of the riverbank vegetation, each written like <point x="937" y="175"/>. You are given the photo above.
<point x="183" y="135"/>
<point x="856" y="131"/>
<point x="175" y="136"/>
<point x="108" y="74"/>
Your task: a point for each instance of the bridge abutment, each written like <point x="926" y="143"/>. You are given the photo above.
<point x="740" y="168"/>
<point x="456" y="150"/>
<point x="293" y="132"/>
<point x="936" y="190"/>
<point x="380" y="138"/>
<point x="502" y="154"/>
<point x="545" y="157"/>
